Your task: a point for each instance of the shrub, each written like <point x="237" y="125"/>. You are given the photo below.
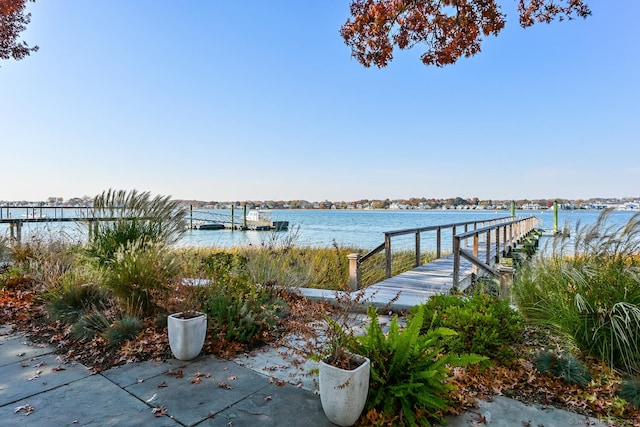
<point x="94" y="323"/>
<point x="45" y="258"/>
<point x="5" y="251"/>
<point x="223" y="266"/>
<point x="630" y="391"/>
<point x="567" y="367"/>
<point x="72" y="300"/>
<point x="245" y="318"/>
<point x="409" y="369"/>
<point x="589" y="289"/>
<point x="122" y="330"/>
<point x="484" y="324"/>
<point x="90" y="324"/>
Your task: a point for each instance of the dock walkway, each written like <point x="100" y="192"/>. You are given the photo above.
<point x="412" y="288"/>
<point x="445" y="274"/>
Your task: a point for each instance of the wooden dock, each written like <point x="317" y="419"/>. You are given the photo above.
<point x="411" y="288"/>
<point x="454" y="272"/>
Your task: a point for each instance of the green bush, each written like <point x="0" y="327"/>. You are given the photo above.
<point x="589" y="288"/>
<point x="222" y="267"/>
<point x="245" y="318"/>
<point x="409" y="369"/>
<point x="484" y="324"/>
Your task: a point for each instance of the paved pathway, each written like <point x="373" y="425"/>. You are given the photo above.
<point x="266" y="388"/>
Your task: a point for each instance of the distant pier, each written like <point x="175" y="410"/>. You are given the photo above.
<point x="256" y="220"/>
<point x="17" y="216"/>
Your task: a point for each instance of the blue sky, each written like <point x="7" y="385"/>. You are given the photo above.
<point x="261" y="100"/>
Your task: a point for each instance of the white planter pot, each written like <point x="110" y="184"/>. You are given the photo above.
<point x="343" y="393"/>
<point x="186" y="336"/>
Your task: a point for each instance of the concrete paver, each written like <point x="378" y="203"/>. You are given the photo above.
<point x="36" y="375"/>
<point x="91" y="401"/>
<point x="505" y="412"/>
<point x="202" y="389"/>
<point x="268" y="387"/>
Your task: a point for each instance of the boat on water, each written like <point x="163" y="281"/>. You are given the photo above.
<point x="262" y="219"/>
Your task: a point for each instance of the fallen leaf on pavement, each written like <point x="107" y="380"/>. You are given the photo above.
<point x="28" y="409"/>
<point x="178" y="373"/>
<point x="159" y="411"/>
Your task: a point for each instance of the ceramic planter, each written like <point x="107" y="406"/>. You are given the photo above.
<point x="343" y="393"/>
<point x="186" y="336"/>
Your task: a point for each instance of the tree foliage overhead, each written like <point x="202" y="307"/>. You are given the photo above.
<point x="450" y="29"/>
<point x="14" y="20"/>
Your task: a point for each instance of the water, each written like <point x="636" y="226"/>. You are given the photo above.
<point x="321" y="228"/>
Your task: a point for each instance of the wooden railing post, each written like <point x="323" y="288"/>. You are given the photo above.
<point x="354" y="271"/>
<point x="387" y="252"/>
<point x="474" y="268"/>
<point x="511" y="242"/>
<point x="504" y="239"/>
<point x="456" y="262"/>
<point x="439" y="240"/>
<point x="417" y="248"/>
<point x="19" y="232"/>
<point x="497" y="258"/>
<point x="488" y="247"/>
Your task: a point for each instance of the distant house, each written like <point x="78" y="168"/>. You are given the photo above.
<point x="531" y="207"/>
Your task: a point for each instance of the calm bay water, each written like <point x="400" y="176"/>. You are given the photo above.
<point x="347" y="228"/>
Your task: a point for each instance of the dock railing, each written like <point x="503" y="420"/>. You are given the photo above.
<point x="356" y="261"/>
<point x="498" y="239"/>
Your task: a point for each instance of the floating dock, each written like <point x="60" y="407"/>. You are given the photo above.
<point x="256" y="220"/>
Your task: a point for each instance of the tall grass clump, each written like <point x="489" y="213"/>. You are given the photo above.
<point x="139" y="272"/>
<point x="279" y="260"/>
<point x="588" y="287"/>
<point x="136" y="216"/>
<point x="131" y="250"/>
<point x="5" y="250"/>
<point x="44" y="258"/>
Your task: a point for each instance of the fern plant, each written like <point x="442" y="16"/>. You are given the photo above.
<point x="409" y="369"/>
